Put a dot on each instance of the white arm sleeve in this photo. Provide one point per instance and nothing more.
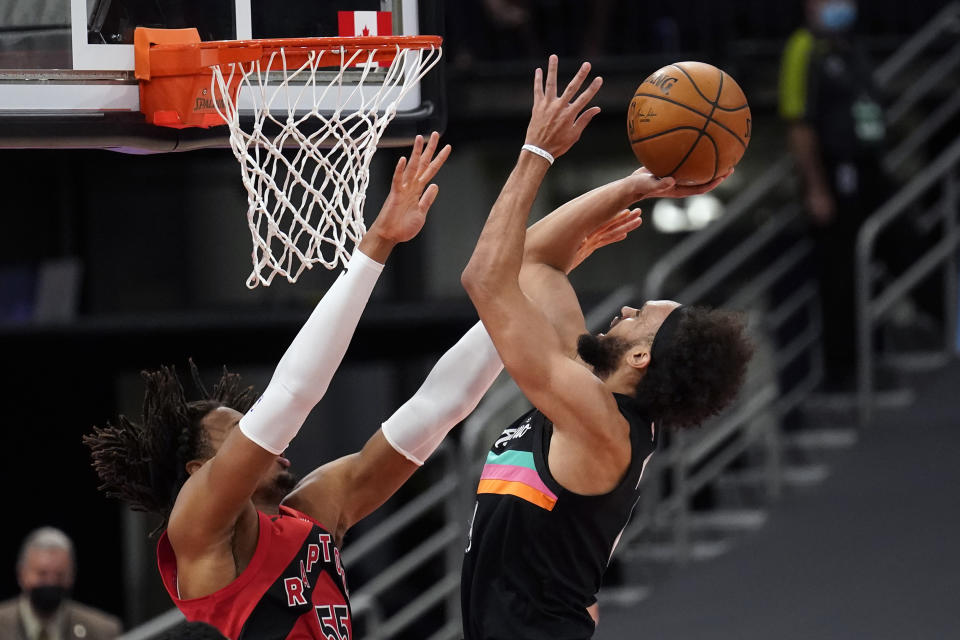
(304, 372)
(451, 391)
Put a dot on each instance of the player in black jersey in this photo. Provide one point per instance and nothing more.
(560, 483)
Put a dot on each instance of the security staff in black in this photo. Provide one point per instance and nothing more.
(537, 552)
(836, 133)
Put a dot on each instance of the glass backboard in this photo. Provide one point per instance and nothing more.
(66, 66)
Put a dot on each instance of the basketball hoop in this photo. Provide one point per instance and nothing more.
(303, 208)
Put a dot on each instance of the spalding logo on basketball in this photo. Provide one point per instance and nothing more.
(689, 120)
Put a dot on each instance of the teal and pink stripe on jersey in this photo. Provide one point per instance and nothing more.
(513, 473)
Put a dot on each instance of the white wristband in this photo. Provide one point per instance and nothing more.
(543, 153)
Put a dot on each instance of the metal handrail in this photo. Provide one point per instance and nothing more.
(680, 458)
(947, 18)
(366, 600)
(155, 626)
(872, 306)
(740, 206)
(945, 21)
(931, 78)
(403, 516)
(720, 271)
(923, 132)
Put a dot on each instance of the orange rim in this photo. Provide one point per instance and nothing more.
(174, 67)
(162, 52)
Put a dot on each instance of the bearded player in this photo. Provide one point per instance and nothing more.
(559, 485)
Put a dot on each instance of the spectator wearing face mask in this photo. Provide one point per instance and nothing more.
(44, 611)
(836, 134)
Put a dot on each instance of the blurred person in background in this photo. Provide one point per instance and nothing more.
(836, 134)
(44, 611)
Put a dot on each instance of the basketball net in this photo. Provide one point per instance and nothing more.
(304, 207)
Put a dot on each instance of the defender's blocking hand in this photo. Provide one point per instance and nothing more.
(405, 209)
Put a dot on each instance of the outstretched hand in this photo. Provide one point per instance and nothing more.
(557, 121)
(614, 230)
(405, 209)
(647, 185)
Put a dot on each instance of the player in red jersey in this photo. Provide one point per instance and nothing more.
(245, 547)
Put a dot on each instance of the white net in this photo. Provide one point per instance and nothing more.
(306, 205)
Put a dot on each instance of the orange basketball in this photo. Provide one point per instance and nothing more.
(689, 120)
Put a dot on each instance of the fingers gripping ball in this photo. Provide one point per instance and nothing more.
(689, 120)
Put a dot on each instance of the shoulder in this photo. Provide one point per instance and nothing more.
(576, 396)
(797, 53)
(8, 609)
(801, 40)
(99, 622)
(793, 75)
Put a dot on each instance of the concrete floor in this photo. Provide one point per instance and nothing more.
(873, 552)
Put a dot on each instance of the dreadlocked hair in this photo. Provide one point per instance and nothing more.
(144, 464)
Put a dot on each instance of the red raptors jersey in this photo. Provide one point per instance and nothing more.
(293, 588)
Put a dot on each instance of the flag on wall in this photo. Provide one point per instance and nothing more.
(365, 23)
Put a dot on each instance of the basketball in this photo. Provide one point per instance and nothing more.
(689, 120)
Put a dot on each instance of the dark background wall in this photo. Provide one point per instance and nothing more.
(163, 251)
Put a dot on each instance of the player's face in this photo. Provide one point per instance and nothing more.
(278, 482)
(631, 331)
(639, 326)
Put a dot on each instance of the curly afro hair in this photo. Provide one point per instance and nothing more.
(702, 371)
(144, 464)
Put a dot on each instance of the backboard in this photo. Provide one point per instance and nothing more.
(67, 79)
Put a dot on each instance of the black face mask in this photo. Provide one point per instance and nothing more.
(45, 599)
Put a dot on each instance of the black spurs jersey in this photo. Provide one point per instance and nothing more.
(537, 552)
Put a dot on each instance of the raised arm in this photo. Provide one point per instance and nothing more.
(219, 490)
(561, 240)
(530, 347)
(346, 490)
(537, 351)
(555, 240)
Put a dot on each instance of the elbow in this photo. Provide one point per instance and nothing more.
(480, 292)
(532, 252)
(475, 282)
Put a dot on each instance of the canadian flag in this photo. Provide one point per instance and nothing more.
(365, 23)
